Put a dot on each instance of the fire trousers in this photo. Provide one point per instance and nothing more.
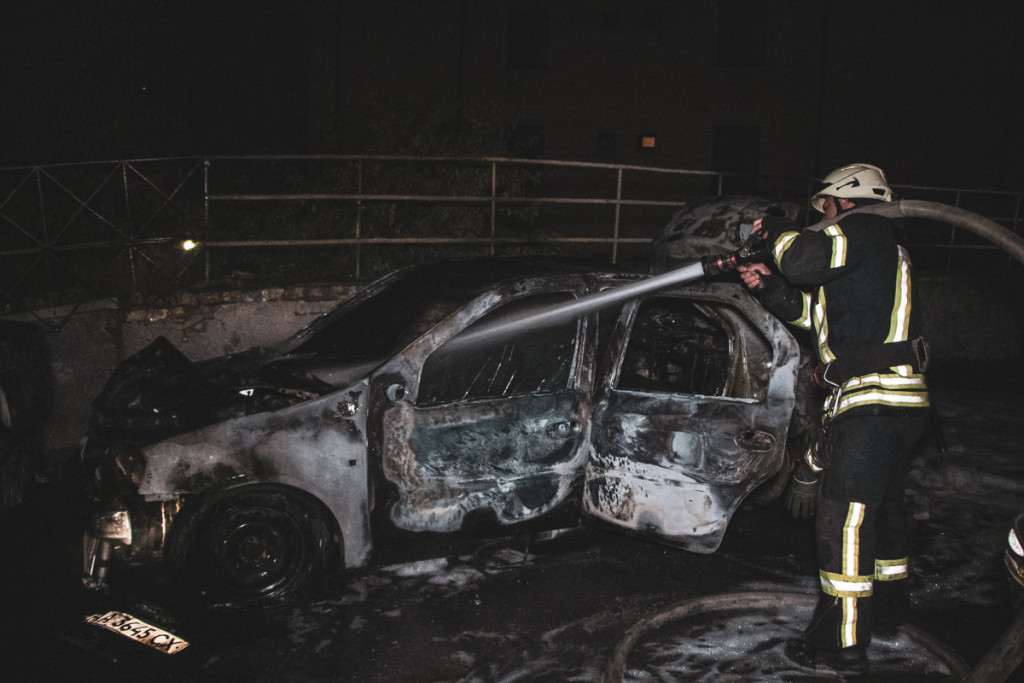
(861, 527)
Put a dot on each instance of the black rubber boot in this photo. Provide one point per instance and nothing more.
(890, 606)
(847, 661)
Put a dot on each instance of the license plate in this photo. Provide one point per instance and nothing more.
(138, 630)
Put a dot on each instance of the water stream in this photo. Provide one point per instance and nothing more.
(540, 318)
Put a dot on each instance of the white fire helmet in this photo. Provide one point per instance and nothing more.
(856, 181)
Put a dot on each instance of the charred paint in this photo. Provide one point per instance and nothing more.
(497, 425)
(516, 459)
(643, 499)
(501, 428)
(208, 479)
(673, 463)
(294, 447)
(711, 226)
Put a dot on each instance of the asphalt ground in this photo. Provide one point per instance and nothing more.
(584, 605)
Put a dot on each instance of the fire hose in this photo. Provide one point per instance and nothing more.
(1007, 653)
(750, 251)
(1002, 237)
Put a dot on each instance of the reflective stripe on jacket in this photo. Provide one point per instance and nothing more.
(850, 283)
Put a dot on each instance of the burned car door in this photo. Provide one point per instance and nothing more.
(693, 414)
(490, 428)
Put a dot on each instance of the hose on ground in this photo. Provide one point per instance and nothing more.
(743, 600)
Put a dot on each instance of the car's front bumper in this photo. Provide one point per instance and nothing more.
(133, 535)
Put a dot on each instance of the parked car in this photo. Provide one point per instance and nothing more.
(379, 424)
(26, 399)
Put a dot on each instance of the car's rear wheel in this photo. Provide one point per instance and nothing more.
(253, 544)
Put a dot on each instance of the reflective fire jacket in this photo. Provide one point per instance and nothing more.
(851, 284)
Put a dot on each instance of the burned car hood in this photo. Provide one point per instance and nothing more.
(158, 392)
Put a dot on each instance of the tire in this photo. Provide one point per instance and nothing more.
(255, 544)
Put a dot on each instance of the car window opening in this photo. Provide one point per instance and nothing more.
(525, 362)
(683, 347)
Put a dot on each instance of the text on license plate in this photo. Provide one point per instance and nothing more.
(138, 630)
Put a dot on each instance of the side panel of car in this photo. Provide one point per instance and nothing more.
(517, 460)
(693, 415)
(318, 446)
(493, 427)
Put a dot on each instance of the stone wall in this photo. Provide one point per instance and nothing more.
(969, 320)
(96, 338)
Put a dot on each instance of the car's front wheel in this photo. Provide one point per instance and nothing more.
(253, 544)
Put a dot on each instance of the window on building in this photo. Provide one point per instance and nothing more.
(606, 142)
(737, 149)
(526, 39)
(611, 20)
(741, 32)
(526, 141)
(652, 17)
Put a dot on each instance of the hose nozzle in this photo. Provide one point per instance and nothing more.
(752, 249)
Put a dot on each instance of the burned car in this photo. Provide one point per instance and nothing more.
(398, 417)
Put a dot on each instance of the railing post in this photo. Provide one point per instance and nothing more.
(1016, 228)
(128, 218)
(618, 213)
(359, 215)
(952, 238)
(45, 253)
(43, 229)
(494, 190)
(206, 220)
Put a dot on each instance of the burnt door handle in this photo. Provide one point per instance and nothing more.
(396, 392)
(562, 430)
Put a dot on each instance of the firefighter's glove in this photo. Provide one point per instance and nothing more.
(802, 492)
(773, 226)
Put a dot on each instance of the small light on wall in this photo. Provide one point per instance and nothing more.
(648, 141)
(189, 245)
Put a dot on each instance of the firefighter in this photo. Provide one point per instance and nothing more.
(851, 284)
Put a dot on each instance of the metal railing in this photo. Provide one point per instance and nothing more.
(77, 232)
(499, 192)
